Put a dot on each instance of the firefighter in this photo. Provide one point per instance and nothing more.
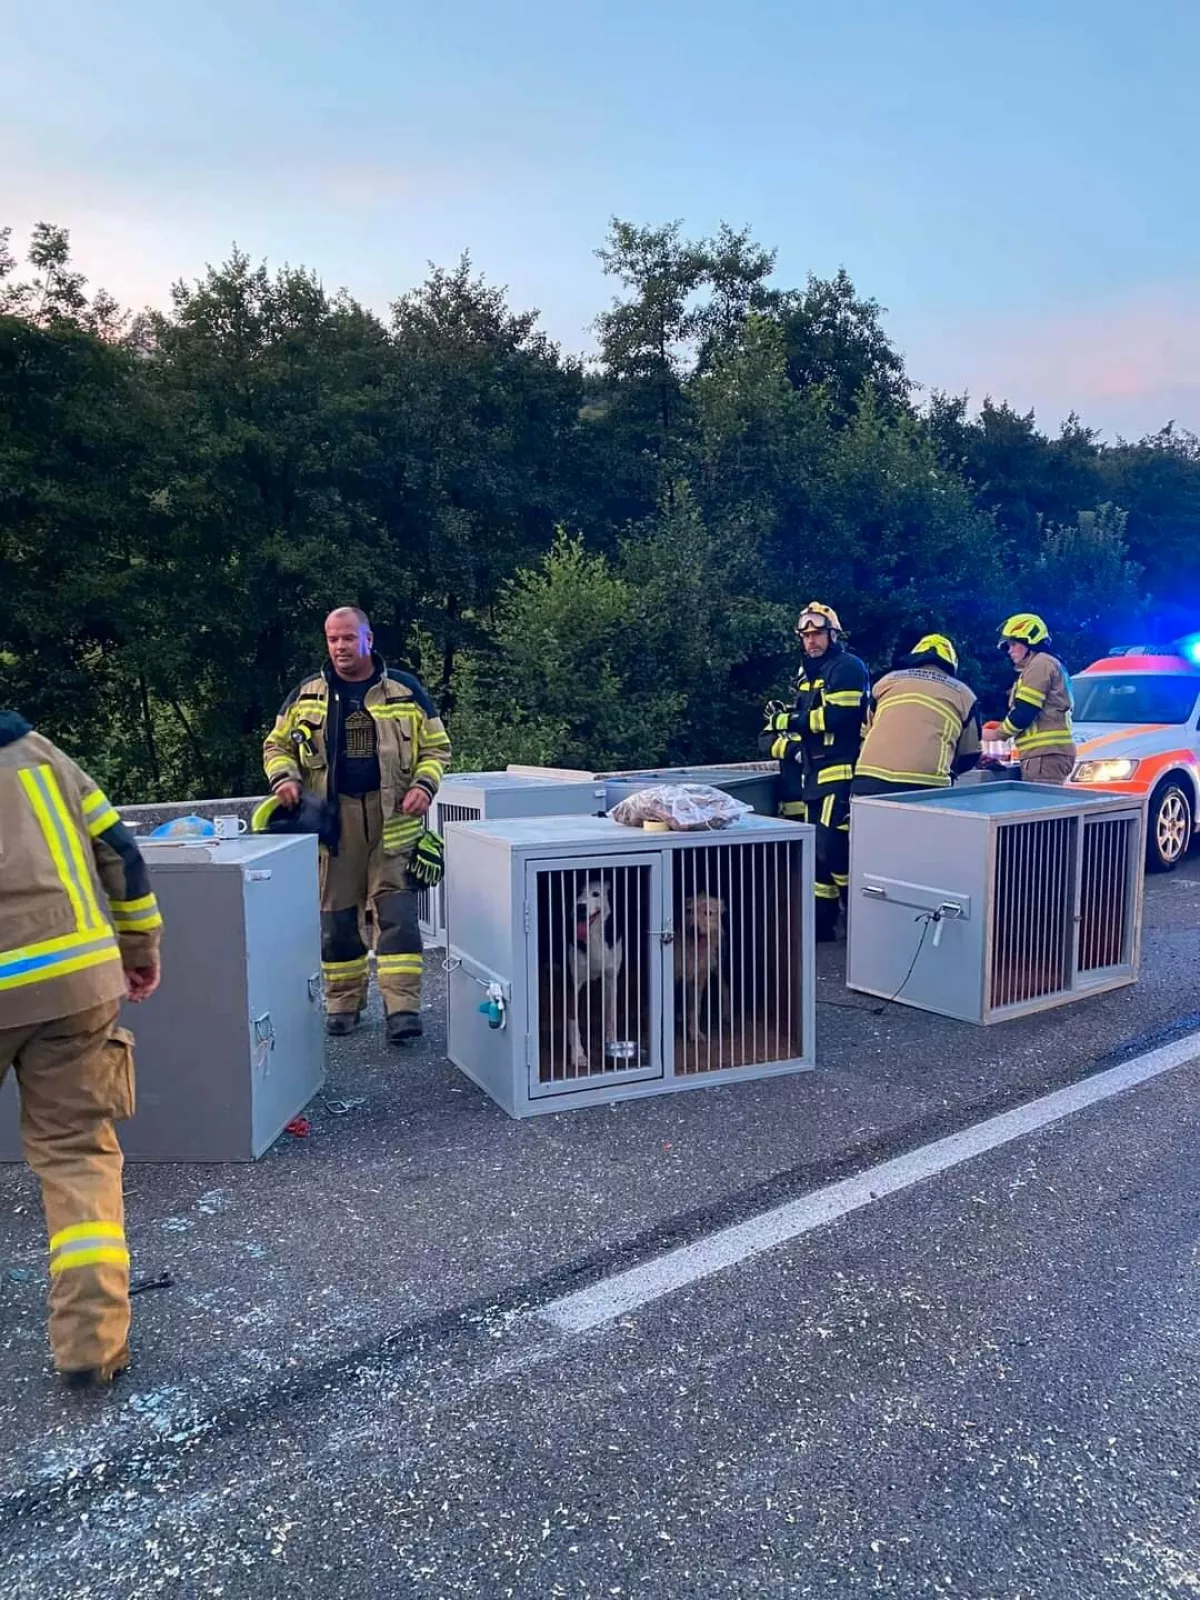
(816, 744)
(364, 744)
(79, 929)
(924, 725)
(1040, 702)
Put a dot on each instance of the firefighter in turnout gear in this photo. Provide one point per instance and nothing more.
(79, 929)
(1040, 702)
(816, 744)
(365, 744)
(923, 729)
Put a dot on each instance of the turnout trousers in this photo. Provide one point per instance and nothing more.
(357, 877)
(1050, 766)
(75, 1079)
(828, 809)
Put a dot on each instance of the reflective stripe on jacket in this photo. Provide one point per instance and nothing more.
(412, 744)
(1039, 707)
(75, 899)
(924, 727)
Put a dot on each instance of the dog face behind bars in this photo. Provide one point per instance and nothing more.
(593, 952)
(698, 958)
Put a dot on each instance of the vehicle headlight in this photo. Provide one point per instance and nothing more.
(1113, 771)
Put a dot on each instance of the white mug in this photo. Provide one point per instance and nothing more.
(229, 827)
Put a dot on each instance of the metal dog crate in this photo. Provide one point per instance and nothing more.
(994, 901)
(487, 796)
(232, 1046)
(590, 962)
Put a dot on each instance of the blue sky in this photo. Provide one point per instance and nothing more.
(1014, 181)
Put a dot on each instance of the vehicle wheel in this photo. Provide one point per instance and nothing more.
(1170, 827)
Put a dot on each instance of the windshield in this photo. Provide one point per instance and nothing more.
(1140, 697)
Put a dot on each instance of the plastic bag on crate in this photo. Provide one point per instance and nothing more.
(682, 807)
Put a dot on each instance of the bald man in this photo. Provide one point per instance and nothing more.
(366, 741)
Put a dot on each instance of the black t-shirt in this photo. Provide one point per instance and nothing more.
(357, 754)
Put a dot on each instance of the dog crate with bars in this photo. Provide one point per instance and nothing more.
(994, 901)
(624, 963)
(487, 796)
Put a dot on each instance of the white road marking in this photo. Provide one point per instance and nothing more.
(626, 1291)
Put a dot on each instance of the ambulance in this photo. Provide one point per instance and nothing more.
(1137, 731)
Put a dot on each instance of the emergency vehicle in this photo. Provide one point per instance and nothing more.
(1137, 730)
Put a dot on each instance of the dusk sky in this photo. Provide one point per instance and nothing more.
(1016, 182)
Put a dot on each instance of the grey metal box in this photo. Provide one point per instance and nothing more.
(533, 904)
(232, 1046)
(490, 796)
(996, 900)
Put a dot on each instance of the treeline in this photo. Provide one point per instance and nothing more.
(590, 562)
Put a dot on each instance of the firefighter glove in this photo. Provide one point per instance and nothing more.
(428, 860)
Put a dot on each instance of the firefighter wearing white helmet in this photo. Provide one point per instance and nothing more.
(1040, 702)
(923, 728)
(816, 744)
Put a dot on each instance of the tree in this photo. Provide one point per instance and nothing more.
(836, 340)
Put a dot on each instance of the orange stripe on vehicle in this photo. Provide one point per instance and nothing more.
(1123, 733)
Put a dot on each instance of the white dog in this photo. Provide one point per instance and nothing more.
(594, 952)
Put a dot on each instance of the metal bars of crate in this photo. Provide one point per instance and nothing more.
(594, 928)
(1111, 849)
(733, 936)
(1032, 910)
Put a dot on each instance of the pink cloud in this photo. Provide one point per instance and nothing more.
(1126, 365)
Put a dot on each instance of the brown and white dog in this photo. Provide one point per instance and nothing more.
(698, 957)
(594, 952)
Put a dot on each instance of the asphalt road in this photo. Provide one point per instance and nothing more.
(983, 1386)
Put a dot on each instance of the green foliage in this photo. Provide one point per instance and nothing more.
(184, 495)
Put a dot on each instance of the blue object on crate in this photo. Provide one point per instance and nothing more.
(184, 828)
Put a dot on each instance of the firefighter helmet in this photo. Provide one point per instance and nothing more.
(1025, 628)
(936, 644)
(816, 618)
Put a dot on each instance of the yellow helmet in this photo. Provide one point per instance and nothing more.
(1024, 628)
(816, 618)
(936, 644)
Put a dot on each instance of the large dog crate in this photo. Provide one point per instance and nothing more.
(233, 1044)
(995, 901)
(591, 962)
(488, 796)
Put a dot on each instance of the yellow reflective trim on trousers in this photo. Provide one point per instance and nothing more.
(835, 774)
(408, 963)
(827, 810)
(934, 780)
(87, 1230)
(827, 891)
(345, 969)
(102, 1256)
(842, 879)
(845, 697)
(793, 808)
